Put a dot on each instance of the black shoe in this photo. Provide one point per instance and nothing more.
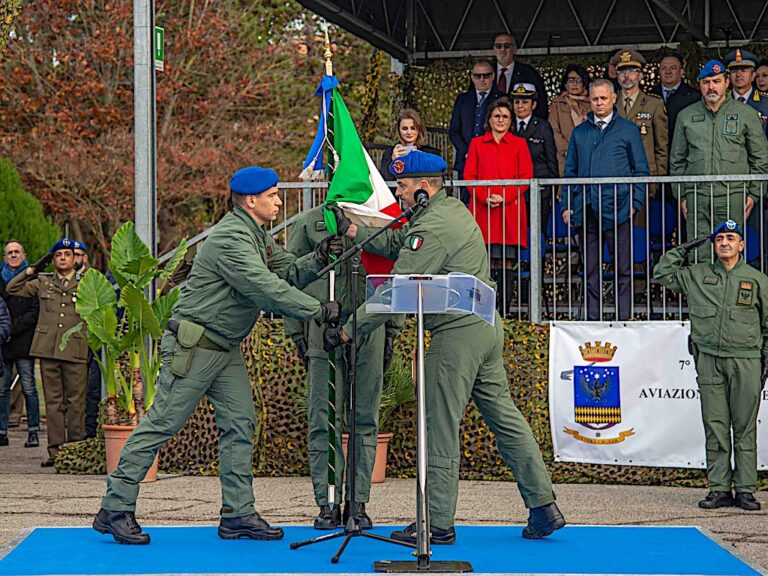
(438, 535)
(47, 463)
(542, 521)
(252, 526)
(328, 519)
(716, 500)
(363, 520)
(746, 501)
(122, 526)
(32, 441)
(3, 440)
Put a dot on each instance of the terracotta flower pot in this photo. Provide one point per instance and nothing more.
(379, 473)
(114, 440)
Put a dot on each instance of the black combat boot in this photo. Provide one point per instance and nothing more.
(252, 526)
(542, 521)
(33, 441)
(328, 519)
(122, 526)
(746, 501)
(437, 535)
(716, 499)
(363, 520)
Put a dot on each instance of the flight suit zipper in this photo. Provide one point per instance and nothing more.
(726, 310)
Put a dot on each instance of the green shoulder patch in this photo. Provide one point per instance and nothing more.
(415, 242)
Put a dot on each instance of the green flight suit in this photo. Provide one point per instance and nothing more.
(239, 272)
(308, 231)
(464, 359)
(729, 327)
(730, 141)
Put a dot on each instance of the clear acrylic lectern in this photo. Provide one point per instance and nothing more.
(454, 293)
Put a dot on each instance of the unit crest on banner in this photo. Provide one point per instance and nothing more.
(597, 397)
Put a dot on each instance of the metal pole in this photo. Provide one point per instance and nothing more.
(422, 496)
(535, 252)
(145, 177)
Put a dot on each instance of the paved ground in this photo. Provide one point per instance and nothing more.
(31, 496)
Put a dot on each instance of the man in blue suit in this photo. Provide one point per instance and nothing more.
(607, 145)
(468, 116)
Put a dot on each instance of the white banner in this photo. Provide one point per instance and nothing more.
(627, 394)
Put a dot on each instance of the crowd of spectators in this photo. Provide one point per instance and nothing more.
(36, 310)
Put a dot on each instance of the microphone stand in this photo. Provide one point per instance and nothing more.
(352, 527)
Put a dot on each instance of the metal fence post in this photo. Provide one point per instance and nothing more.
(535, 251)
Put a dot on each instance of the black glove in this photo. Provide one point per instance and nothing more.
(331, 313)
(689, 247)
(342, 222)
(763, 370)
(42, 264)
(389, 345)
(332, 338)
(301, 350)
(329, 245)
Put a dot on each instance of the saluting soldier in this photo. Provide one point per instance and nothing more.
(646, 111)
(728, 304)
(239, 271)
(64, 372)
(374, 353)
(742, 65)
(465, 353)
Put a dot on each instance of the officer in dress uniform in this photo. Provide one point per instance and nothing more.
(239, 271)
(465, 354)
(64, 372)
(741, 65)
(646, 111)
(728, 304)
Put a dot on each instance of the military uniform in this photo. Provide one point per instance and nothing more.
(64, 372)
(308, 231)
(239, 271)
(464, 359)
(729, 330)
(745, 60)
(730, 141)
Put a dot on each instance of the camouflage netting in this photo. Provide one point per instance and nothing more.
(280, 447)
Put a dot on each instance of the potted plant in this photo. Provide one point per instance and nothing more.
(124, 332)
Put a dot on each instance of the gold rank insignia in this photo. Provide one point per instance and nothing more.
(625, 57)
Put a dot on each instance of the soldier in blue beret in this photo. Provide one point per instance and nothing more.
(728, 303)
(81, 257)
(465, 355)
(742, 65)
(239, 272)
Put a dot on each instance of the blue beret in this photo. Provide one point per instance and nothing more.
(253, 180)
(64, 244)
(711, 68)
(80, 246)
(741, 59)
(418, 163)
(726, 226)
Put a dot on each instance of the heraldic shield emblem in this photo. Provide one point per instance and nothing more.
(597, 395)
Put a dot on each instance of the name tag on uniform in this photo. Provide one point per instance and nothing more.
(713, 280)
(745, 293)
(731, 126)
(698, 118)
(320, 226)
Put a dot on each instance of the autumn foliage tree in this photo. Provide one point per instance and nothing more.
(236, 90)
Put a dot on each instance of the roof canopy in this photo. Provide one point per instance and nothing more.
(422, 30)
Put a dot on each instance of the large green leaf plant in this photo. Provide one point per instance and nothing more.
(125, 332)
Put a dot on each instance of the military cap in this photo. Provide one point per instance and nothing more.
(741, 59)
(726, 226)
(80, 246)
(253, 180)
(523, 91)
(711, 68)
(627, 59)
(418, 163)
(64, 244)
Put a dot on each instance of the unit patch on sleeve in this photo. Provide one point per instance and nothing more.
(415, 242)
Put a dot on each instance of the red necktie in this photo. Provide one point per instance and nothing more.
(503, 81)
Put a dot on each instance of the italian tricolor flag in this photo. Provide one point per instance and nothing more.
(357, 187)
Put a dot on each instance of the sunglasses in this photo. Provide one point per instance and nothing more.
(482, 75)
(503, 45)
(628, 70)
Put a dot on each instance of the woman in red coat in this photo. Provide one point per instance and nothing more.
(500, 210)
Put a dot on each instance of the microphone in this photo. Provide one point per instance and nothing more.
(421, 197)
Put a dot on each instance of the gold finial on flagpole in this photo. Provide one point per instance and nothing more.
(328, 55)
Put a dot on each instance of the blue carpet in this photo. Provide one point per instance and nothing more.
(195, 550)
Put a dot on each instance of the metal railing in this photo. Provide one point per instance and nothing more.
(547, 274)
